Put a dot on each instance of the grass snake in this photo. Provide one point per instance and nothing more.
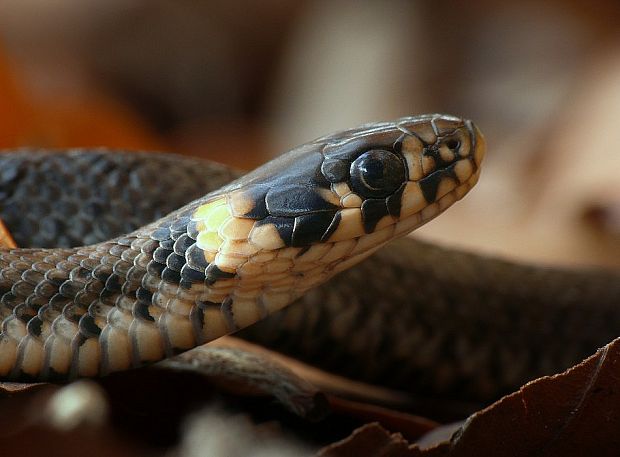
(412, 316)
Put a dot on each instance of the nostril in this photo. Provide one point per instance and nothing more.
(453, 144)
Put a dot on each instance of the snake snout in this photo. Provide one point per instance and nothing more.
(443, 157)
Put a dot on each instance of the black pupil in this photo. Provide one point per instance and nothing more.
(377, 173)
(373, 173)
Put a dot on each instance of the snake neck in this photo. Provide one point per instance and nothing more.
(187, 279)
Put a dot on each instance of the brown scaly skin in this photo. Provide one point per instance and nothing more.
(457, 325)
(49, 296)
(229, 258)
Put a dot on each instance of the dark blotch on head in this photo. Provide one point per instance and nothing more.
(335, 170)
(310, 228)
(332, 227)
(284, 226)
(257, 195)
(430, 184)
(394, 201)
(295, 200)
(372, 211)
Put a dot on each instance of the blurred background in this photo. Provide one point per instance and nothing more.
(240, 82)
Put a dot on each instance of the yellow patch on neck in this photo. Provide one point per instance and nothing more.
(203, 212)
(209, 241)
(211, 216)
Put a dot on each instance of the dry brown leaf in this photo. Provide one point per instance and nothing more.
(326, 382)
(411, 427)
(371, 440)
(6, 240)
(573, 413)
(251, 371)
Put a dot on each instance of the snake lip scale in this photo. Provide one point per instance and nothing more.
(230, 258)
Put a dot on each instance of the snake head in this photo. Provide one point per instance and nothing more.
(328, 204)
(404, 172)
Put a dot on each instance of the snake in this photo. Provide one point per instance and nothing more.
(434, 321)
(231, 257)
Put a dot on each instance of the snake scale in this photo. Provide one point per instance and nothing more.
(432, 321)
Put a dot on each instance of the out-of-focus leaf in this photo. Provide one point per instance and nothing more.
(324, 381)
(411, 427)
(6, 240)
(573, 413)
(249, 370)
(371, 440)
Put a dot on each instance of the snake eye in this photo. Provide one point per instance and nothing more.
(377, 173)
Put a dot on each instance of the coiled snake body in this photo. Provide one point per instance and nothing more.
(432, 321)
